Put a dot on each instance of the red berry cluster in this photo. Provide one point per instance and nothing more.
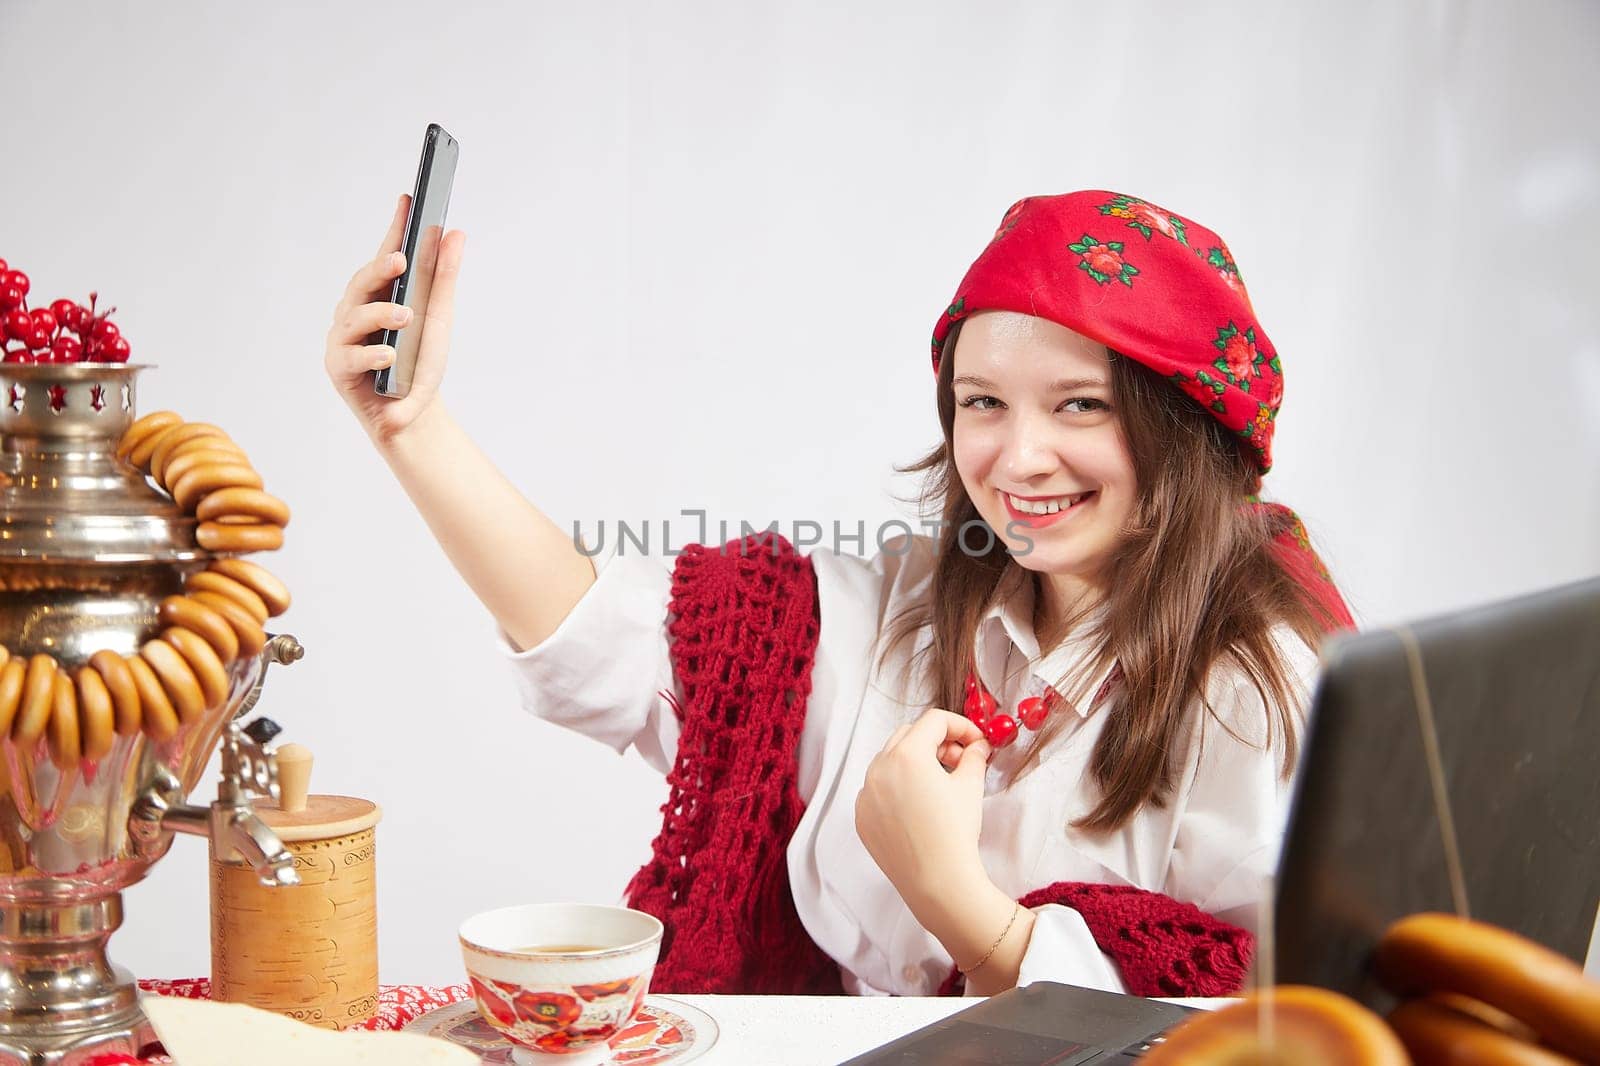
(65, 332)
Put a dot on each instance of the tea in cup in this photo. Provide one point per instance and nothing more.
(559, 980)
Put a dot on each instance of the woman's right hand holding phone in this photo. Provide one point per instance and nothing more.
(350, 357)
(523, 567)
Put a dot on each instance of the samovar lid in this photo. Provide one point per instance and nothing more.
(64, 495)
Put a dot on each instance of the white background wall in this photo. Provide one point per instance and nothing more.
(707, 243)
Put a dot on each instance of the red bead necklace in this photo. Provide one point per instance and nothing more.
(1001, 729)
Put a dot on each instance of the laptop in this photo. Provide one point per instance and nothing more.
(1514, 689)
(1450, 764)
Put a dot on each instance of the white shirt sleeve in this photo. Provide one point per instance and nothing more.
(1062, 949)
(1225, 854)
(604, 669)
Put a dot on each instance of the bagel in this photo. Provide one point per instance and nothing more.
(113, 670)
(177, 679)
(186, 613)
(1544, 990)
(139, 455)
(5, 654)
(97, 721)
(218, 537)
(153, 422)
(160, 719)
(258, 579)
(252, 638)
(11, 677)
(203, 660)
(1310, 1027)
(1435, 1033)
(206, 581)
(66, 747)
(205, 451)
(1486, 1014)
(161, 458)
(38, 698)
(240, 501)
(209, 477)
(174, 437)
(204, 442)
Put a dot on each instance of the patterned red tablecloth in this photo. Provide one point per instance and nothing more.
(397, 1005)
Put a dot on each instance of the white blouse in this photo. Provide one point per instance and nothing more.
(1214, 844)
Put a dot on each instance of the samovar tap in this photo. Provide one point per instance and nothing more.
(230, 822)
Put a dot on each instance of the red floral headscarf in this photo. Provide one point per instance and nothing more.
(1162, 290)
(1159, 288)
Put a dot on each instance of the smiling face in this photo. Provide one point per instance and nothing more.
(1034, 431)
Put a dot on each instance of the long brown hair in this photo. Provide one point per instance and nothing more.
(1196, 583)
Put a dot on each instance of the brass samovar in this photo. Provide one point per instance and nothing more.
(88, 549)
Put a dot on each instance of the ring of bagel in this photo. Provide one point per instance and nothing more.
(1545, 990)
(252, 638)
(143, 428)
(204, 442)
(177, 679)
(239, 500)
(204, 453)
(258, 579)
(1433, 1032)
(143, 453)
(38, 698)
(208, 581)
(113, 670)
(97, 721)
(1309, 1027)
(209, 477)
(160, 717)
(223, 537)
(11, 679)
(161, 458)
(203, 660)
(66, 746)
(192, 615)
(174, 437)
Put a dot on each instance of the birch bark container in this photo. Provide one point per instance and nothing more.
(308, 951)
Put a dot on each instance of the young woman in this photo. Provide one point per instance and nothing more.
(1054, 741)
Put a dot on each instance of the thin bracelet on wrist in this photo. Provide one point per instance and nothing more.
(1015, 909)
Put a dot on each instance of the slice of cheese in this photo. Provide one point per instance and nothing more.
(198, 1032)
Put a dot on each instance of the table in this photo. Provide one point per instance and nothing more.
(818, 1030)
(754, 1030)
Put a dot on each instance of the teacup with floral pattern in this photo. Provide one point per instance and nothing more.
(559, 980)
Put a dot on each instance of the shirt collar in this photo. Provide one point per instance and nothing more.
(1008, 624)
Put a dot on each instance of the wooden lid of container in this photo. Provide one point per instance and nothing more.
(298, 816)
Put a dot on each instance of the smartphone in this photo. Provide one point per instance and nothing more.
(436, 171)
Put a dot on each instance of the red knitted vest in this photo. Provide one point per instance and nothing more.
(743, 636)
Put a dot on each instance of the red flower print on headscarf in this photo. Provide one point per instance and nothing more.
(1240, 355)
(1241, 360)
(1155, 219)
(1273, 397)
(1259, 431)
(1147, 218)
(1103, 261)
